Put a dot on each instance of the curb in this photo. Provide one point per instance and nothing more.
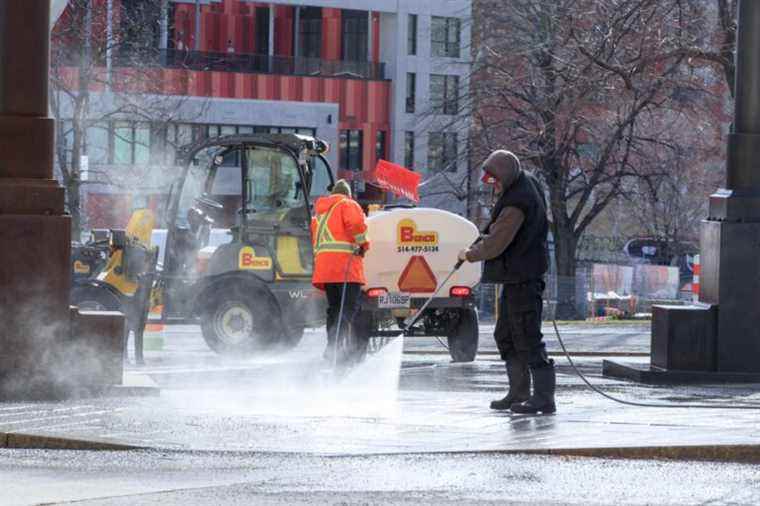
(741, 453)
(748, 454)
(15, 440)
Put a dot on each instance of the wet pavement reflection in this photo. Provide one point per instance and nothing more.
(394, 404)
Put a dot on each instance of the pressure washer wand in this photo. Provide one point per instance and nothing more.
(409, 322)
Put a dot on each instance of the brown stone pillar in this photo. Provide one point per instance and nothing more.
(34, 233)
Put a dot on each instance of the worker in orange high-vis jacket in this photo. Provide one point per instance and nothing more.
(338, 232)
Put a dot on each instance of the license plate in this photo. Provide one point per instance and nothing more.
(394, 301)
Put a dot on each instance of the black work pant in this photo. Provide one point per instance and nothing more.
(518, 327)
(350, 308)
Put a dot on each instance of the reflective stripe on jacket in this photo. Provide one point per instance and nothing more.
(337, 230)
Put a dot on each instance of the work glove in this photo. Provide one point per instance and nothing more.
(360, 251)
(462, 257)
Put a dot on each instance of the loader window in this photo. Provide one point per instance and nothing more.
(274, 194)
(192, 188)
(273, 179)
(321, 177)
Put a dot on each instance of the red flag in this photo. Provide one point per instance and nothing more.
(396, 179)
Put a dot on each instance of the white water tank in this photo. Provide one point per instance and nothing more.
(398, 235)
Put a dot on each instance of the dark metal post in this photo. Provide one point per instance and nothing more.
(747, 107)
(731, 234)
(719, 340)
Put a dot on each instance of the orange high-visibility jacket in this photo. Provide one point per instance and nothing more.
(337, 230)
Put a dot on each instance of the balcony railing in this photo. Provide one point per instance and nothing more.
(254, 64)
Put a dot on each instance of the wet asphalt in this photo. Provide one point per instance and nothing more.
(166, 478)
(264, 431)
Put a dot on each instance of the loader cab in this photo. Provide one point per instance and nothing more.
(242, 208)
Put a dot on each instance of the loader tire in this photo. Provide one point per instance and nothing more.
(463, 340)
(237, 321)
(292, 336)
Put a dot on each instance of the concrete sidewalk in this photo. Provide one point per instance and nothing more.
(276, 406)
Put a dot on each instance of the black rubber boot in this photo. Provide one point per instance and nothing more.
(519, 385)
(542, 400)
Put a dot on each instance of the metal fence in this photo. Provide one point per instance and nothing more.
(589, 295)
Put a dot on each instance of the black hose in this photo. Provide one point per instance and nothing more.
(642, 404)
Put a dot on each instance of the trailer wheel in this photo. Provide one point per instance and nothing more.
(237, 321)
(463, 340)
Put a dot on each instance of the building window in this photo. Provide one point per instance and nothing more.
(355, 35)
(411, 40)
(351, 149)
(311, 32)
(444, 94)
(409, 150)
(411, 86)
(131, 144)
(261, 32)
(445, 37)
(380, 145)
(442, 152)
(97, 143)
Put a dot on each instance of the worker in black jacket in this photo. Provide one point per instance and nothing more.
(514, 250)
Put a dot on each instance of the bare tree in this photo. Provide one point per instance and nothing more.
(575, 88)
(105, 67)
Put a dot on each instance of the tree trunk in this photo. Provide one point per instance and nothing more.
(75, 208)
(565, 246)
(74, 179)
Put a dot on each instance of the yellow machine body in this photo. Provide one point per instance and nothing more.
(138, 234)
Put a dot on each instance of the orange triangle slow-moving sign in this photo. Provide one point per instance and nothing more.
(417, 277)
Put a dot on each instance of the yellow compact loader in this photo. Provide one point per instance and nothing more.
(237, 257)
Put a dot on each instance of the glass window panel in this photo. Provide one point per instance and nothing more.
(355, 150)
(452, 95)
(184, 135)
(435, 151)
(380, 145)
(437, 93)
(227, 180)
(355, 35)
(227, 130)
(320, 179)
(438, 36)
(453, 34)
(273, 176)
(412, 35)
(450, 152)
(409, 150)
(97, 144)
(122, 143)
(445, 37)
(142, 144)
(311, 32)
(411, 86)
(244, 130)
